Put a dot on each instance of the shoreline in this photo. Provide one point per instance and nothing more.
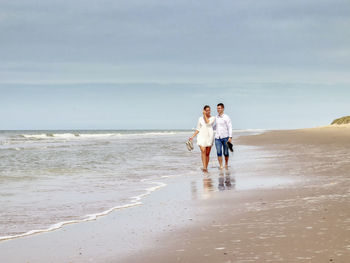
(129, 202)
(125, 231)
(134, 201)
(192, 220)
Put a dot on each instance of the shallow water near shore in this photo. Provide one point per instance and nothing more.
(53, 178)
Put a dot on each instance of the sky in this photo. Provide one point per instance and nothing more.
(154, 64)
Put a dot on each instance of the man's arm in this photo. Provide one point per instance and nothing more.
(229, 127)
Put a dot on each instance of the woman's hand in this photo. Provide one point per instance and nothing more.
(194, 135)
(205, 117)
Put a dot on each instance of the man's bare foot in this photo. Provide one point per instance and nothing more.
(204, 170)
(226, 167)
(221, 168)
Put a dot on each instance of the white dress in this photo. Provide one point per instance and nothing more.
(205, 136)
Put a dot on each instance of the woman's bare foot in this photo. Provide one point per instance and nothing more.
(205, 170)
(221, 168)
(226, 167)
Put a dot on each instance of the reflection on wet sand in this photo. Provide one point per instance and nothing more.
(225, 182)
(208, 185)
(194, 192)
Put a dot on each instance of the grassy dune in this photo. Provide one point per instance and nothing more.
(343, 120)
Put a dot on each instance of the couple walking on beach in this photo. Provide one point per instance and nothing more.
(207, 124)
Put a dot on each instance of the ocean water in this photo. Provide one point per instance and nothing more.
(52, 178)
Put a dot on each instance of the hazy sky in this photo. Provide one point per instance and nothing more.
(154, 64)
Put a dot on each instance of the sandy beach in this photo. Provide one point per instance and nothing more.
(305, 222)
(302, 216)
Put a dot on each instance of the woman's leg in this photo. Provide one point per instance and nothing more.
(207, 153)
(204, 157)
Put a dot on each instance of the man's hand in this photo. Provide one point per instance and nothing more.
(190, 139)
(204, 112)
(230, 140)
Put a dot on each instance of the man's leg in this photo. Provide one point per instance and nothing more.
(226, 161)
(226, 154)
(218, 146)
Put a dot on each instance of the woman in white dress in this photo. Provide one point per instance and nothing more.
(205, 137)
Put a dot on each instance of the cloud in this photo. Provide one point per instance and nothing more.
(165, 40)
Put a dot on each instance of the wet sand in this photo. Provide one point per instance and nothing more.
(328, 136)
(285, 199)
(304, 222)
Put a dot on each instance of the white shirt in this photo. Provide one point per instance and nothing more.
(223, 126)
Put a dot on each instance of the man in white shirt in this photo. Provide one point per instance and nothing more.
(223, 134)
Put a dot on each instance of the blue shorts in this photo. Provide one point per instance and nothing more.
(221, 144)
